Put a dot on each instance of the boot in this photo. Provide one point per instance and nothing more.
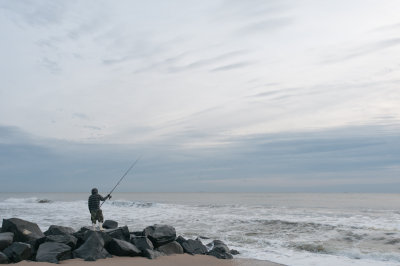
(101, 226)
(94, 227)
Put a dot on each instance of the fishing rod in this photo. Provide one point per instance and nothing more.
(127, 171)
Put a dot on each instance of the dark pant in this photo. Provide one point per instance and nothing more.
(96, 215)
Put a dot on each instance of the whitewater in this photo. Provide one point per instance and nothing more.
(287, 228)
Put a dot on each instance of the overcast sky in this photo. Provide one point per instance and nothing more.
(269, 95)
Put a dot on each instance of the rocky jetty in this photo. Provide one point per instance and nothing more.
(23, 240)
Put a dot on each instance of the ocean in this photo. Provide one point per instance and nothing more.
(287, 228)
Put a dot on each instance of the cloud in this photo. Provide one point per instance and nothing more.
(265, 26)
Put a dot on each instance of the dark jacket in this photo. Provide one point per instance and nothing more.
(94, 201)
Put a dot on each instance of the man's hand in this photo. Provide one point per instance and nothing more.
(109, 196)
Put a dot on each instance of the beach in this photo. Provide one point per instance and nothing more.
(173, 260)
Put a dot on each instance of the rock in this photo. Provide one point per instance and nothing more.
(220, 250)
(53, 252)
(68, 240)
(122, 248)
(80, 235)
(18, 251)
(152, 254)
(160, 234)
(142, 242)
(93, 247)
(121, 233)
(171, 248)
(137, 233)
(3, 258)
(24, 231)
(59, 230)
(234, 252)
(192, 246)
(6, 239)
(110, 224)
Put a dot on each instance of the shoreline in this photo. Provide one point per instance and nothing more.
(172, 260)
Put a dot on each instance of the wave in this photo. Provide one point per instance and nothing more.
(126, 203)
(27, 200)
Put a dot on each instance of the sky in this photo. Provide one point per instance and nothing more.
(215, 96)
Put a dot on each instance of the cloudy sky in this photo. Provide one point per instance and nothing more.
(261, 95)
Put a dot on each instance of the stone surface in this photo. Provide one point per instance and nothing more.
(122, 248)
(18, 251)
(6, 240)
(110, 224)
(3, 258)
(93, 247)
(234, 252)
(171, 248)
(141, 242)
(69, 240)
(24, 231)
(160, 234)
(191, 246)
(59, 230)
(220, 250)
(121, 233)
(53, 252)
(152, 254)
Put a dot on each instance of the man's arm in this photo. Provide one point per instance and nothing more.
(104, 198)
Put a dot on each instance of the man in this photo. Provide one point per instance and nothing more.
(94, 208)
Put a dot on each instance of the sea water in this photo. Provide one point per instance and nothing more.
(293, 229)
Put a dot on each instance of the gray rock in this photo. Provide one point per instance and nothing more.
(141, 242)
(160, 234)
(3, 258)
(121, 233)
(53, 252)
(171, 248)
(6, 239)
(110, 224)
(234, 252)
(220, 250)
(59, 230)
(24, 231)
(191, 246)
(18, 251)
(68, 240)
(122, 248)
(152, 254)
(93, 247)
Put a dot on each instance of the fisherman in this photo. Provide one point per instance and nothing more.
(94, 208)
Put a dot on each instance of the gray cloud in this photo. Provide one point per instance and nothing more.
(265, 26)
(232, 66)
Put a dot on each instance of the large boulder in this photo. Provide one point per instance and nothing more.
(59, 230)
(18, 251)
(68, 240)
(3, 258)
(122, 248)
(6, 239)
(110, 224)
(192, 246)
(24, 231)
(93, 247)
(121, 233)
(160, 234)
(141, 242)
(171, 248)
(220, 250)
(53, 252)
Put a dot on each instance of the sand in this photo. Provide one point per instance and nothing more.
(173, 260)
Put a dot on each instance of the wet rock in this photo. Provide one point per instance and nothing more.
(18, 251)
(152, 254)
(24, 231)
(59, 230)
(3, 258)
(142, 242)
(6, 240)
(160, 234)
(121, 233)
(220, 250)
(80, 235)
(68, 240)
(171, 248)
(110, 224)
(53, 252)
(137, 233)
(234, 252)
(93, 247)
(191, 246)
(122, 248)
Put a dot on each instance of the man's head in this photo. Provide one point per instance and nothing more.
(94, 191)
